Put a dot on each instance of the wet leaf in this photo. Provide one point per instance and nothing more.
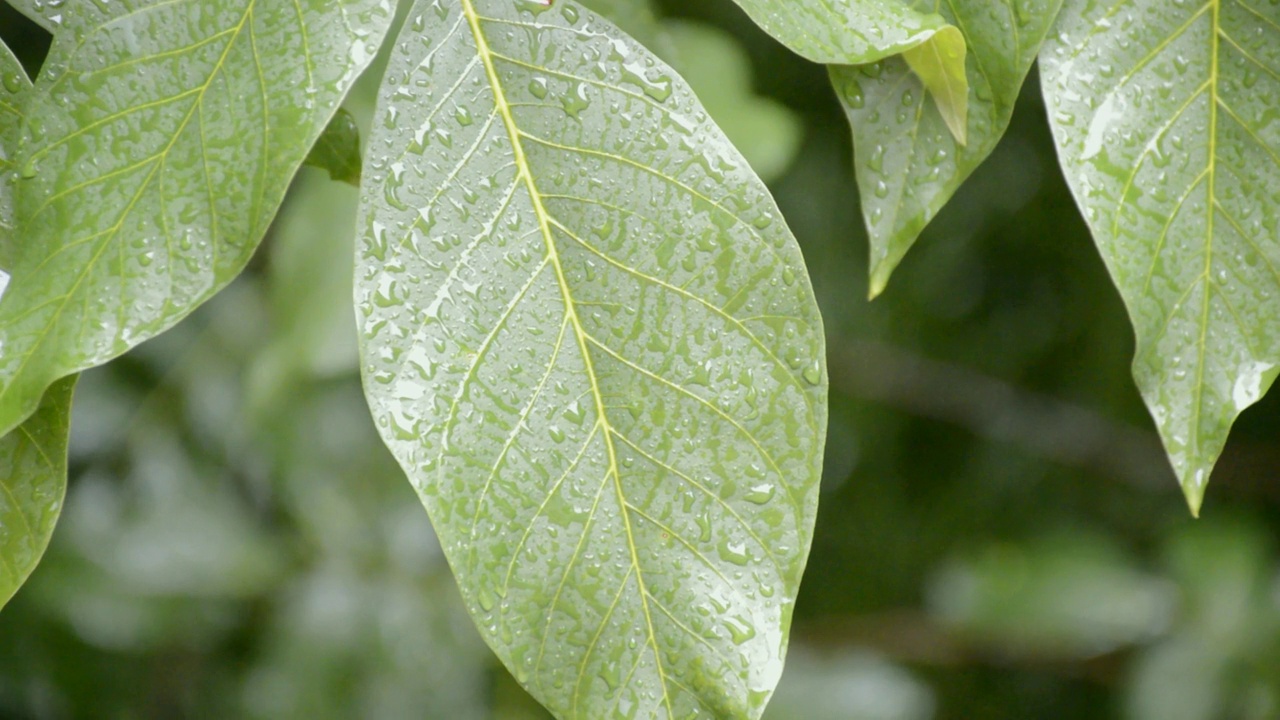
(590, 340)
(337, 152)
(158, 145)
(1166, 125)
(908, 161)
(854, 32)
(46, 15)
(33, 481)
(14, 87)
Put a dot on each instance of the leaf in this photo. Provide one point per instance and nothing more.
(45, 14)
(908, 160)
(14, 87)
(854, 32)
(33, 481)
(1166, 125)
(590, 341)
(157, 147)
(337, 152)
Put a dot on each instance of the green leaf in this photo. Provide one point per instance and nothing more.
(14, 87)
(33, 481)
(1166, 125)
(337, 152)
(909, 162)
(854, 32)
(157, 147)
(590, 340)
(45, 14)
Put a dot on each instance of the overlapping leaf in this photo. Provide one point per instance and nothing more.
(1169, 133)
(908, 163)
(14, 87)
(854, 32)
(590, 340)
(337, 152)
(33, 481)
(158, 143)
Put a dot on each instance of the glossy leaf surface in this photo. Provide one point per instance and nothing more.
(854, 32)
(33, 482)
(590, 340)
(14, 88)
(908, 162)
(337, 152)
(158, 145)
(1167, 127)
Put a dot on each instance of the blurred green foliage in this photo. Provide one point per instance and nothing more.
(1000, 535)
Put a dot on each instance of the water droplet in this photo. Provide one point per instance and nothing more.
(761, 494)
(12, 82)
(813, 373)
(538, 87)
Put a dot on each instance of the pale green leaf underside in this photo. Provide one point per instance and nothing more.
(908, 160)
(157, 147)
(1169, 133)
(33, 481)
(591, 342)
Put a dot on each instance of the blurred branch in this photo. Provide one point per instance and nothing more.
(1060, 431)
(992, 408)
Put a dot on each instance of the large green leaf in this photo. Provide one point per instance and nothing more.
(157, 147)
(14, 87)
(854, 32)
(590, 340)
(908, 163)
(33, 481)
(1167, 125)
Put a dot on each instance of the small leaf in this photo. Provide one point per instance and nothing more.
(855, 32)
(33, 481)
(338, 149)
(157, 147)
(910, 160)
(940, 66)
(1166, 125)
(590, 340)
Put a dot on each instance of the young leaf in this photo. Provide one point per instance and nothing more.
(157, 146)
(1165, 121)
(908, 163)
(854, 32)
(337, 152)
(590, 340)
(33, 481)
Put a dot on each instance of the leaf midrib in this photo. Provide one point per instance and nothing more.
(544, 223)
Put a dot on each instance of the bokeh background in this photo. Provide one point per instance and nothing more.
(999, 534)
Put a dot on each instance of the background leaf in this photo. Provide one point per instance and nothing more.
(590, 340)
(157, 149)
(33, 481)
(337, 152)
(1166, 124)
(908, 163)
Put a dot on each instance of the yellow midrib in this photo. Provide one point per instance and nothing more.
(526, 174)
(1212, 204)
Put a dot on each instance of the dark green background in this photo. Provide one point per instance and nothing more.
(999, 534)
